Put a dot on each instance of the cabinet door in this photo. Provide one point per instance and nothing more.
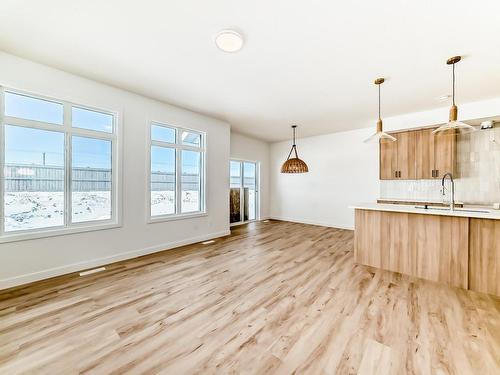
(406, 155)
(424, 154)
(444, 153)
(388, 159)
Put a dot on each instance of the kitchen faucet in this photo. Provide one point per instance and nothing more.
(452, 198)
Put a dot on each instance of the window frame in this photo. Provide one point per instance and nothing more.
(179, 147)
(68, 131)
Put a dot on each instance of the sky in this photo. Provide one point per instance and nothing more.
(42, 147)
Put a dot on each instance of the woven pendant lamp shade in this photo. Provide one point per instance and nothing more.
(294, 164)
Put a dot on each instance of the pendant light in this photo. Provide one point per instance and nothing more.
(379, 134)
(294, 165)
(452, 123)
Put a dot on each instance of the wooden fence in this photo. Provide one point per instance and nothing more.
(45, 178)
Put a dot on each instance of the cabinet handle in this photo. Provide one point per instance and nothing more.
(432, 174)
(437, 172)
(396, 174)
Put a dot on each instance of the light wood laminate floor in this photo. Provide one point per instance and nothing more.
(273, 297)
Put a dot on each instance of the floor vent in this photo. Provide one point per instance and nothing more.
(90, 272)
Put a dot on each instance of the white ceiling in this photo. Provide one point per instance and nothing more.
(305, 62)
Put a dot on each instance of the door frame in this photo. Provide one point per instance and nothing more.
(242, 194)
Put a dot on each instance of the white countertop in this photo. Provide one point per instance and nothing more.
(443, 211)
(431, 201)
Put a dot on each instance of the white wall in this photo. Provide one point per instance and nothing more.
(343, 169)
(251, 149)
(30, 260)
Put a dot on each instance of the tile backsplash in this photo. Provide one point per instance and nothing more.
(478, 167)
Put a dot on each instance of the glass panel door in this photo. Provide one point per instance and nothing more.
(249, 191)
(243, 191)
(235, 192)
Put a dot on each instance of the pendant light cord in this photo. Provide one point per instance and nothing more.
(294, 146)
(453, 90)
(379, 102)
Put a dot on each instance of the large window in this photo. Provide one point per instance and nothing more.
(177, 172)
(59, 167)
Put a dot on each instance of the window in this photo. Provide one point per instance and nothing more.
(59, 167)
(93, 120)
(90, 179)
(177, 172)
(31, 108)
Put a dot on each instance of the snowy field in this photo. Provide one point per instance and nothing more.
(163, 202)
(31, 210)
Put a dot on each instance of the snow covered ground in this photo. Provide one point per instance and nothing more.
(88, 206)
(163, 202)
(31, 210)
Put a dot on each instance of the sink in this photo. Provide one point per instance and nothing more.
(456, 209)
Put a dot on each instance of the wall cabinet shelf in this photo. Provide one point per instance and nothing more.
(417, 155)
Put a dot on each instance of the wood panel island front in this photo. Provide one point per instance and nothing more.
(459, 248)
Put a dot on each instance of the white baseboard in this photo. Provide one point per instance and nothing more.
(311, 222)
(76, 267)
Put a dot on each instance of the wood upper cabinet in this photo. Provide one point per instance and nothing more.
(435, 154)
(424, 154)
(388, 159)
(444, 154)
(417, 154)
(406, 155)
(397, 159)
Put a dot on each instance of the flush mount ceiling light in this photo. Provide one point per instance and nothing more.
(379, 134)
(294, 165)
(452, 123)
(229, 41)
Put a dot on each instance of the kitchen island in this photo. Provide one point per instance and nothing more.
(459, 248)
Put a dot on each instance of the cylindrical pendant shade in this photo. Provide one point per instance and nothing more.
(294, 165)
